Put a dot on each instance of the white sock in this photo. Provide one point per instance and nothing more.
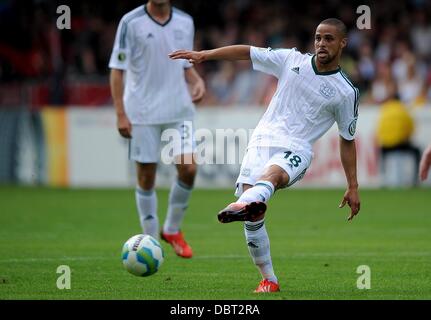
(261, 191)
(258, 246)
(178, 203)
(146, 201)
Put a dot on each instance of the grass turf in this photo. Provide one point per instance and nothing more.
(315, 250)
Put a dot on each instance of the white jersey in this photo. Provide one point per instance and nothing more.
(306, 103)
(155, 88)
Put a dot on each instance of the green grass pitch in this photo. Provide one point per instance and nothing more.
(315, 250)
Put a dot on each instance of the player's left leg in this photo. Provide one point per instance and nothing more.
(180, 192)
(255, 230)
(281, 170)
(144, 150)
(258, 244)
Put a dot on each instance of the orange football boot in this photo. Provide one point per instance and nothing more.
(267, 286)
(180, 245)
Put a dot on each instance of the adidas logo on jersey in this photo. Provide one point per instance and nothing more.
(296, 70)
(150, 35)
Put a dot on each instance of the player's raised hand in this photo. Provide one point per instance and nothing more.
(192, 56)
(124, 126)
(351, 197)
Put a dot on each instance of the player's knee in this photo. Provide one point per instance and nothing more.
(187, 173)
(283, 180)
(278, 178)
(188, 170)
(146, 179)
(146, 182)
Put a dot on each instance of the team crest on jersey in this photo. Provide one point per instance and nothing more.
(352, 127)
(327, 90)
(121, 56)
(246, 172)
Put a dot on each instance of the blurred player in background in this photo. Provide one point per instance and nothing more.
(395, 128)
(155, 96)
(312, 94)
(425, 163)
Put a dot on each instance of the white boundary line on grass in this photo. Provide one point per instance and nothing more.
(211, 257)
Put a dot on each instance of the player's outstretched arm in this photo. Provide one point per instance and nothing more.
(425, 164)
(236, 52)
(348, 160)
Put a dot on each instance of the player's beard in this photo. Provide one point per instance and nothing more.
(329, 58)
(160, 2)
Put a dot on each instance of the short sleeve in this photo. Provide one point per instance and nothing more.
(346, 115)
(268, 60)
(122, 50)
(190, 44)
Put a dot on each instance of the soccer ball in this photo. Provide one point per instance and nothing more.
(142, 255)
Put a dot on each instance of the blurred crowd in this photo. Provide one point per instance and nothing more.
(392, 59)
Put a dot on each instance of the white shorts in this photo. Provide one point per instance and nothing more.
(258, 159)
(174, 138)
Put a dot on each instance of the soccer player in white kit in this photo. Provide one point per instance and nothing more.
(151, 94)
(312, 93)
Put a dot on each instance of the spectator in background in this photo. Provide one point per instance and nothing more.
(402, 58)
(427, 86)
(421, 34)
(385, 44)
(220, 84)
(394, 132)
(399, 30)
(248, 88)
(411, 86)
(366, 66)
(348, 64)
(383, 87)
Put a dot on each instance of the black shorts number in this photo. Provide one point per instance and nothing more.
(295, 160)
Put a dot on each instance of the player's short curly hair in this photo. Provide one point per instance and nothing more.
(341, 27)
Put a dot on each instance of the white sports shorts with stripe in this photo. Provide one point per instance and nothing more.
(258, 159)
(150, 143)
